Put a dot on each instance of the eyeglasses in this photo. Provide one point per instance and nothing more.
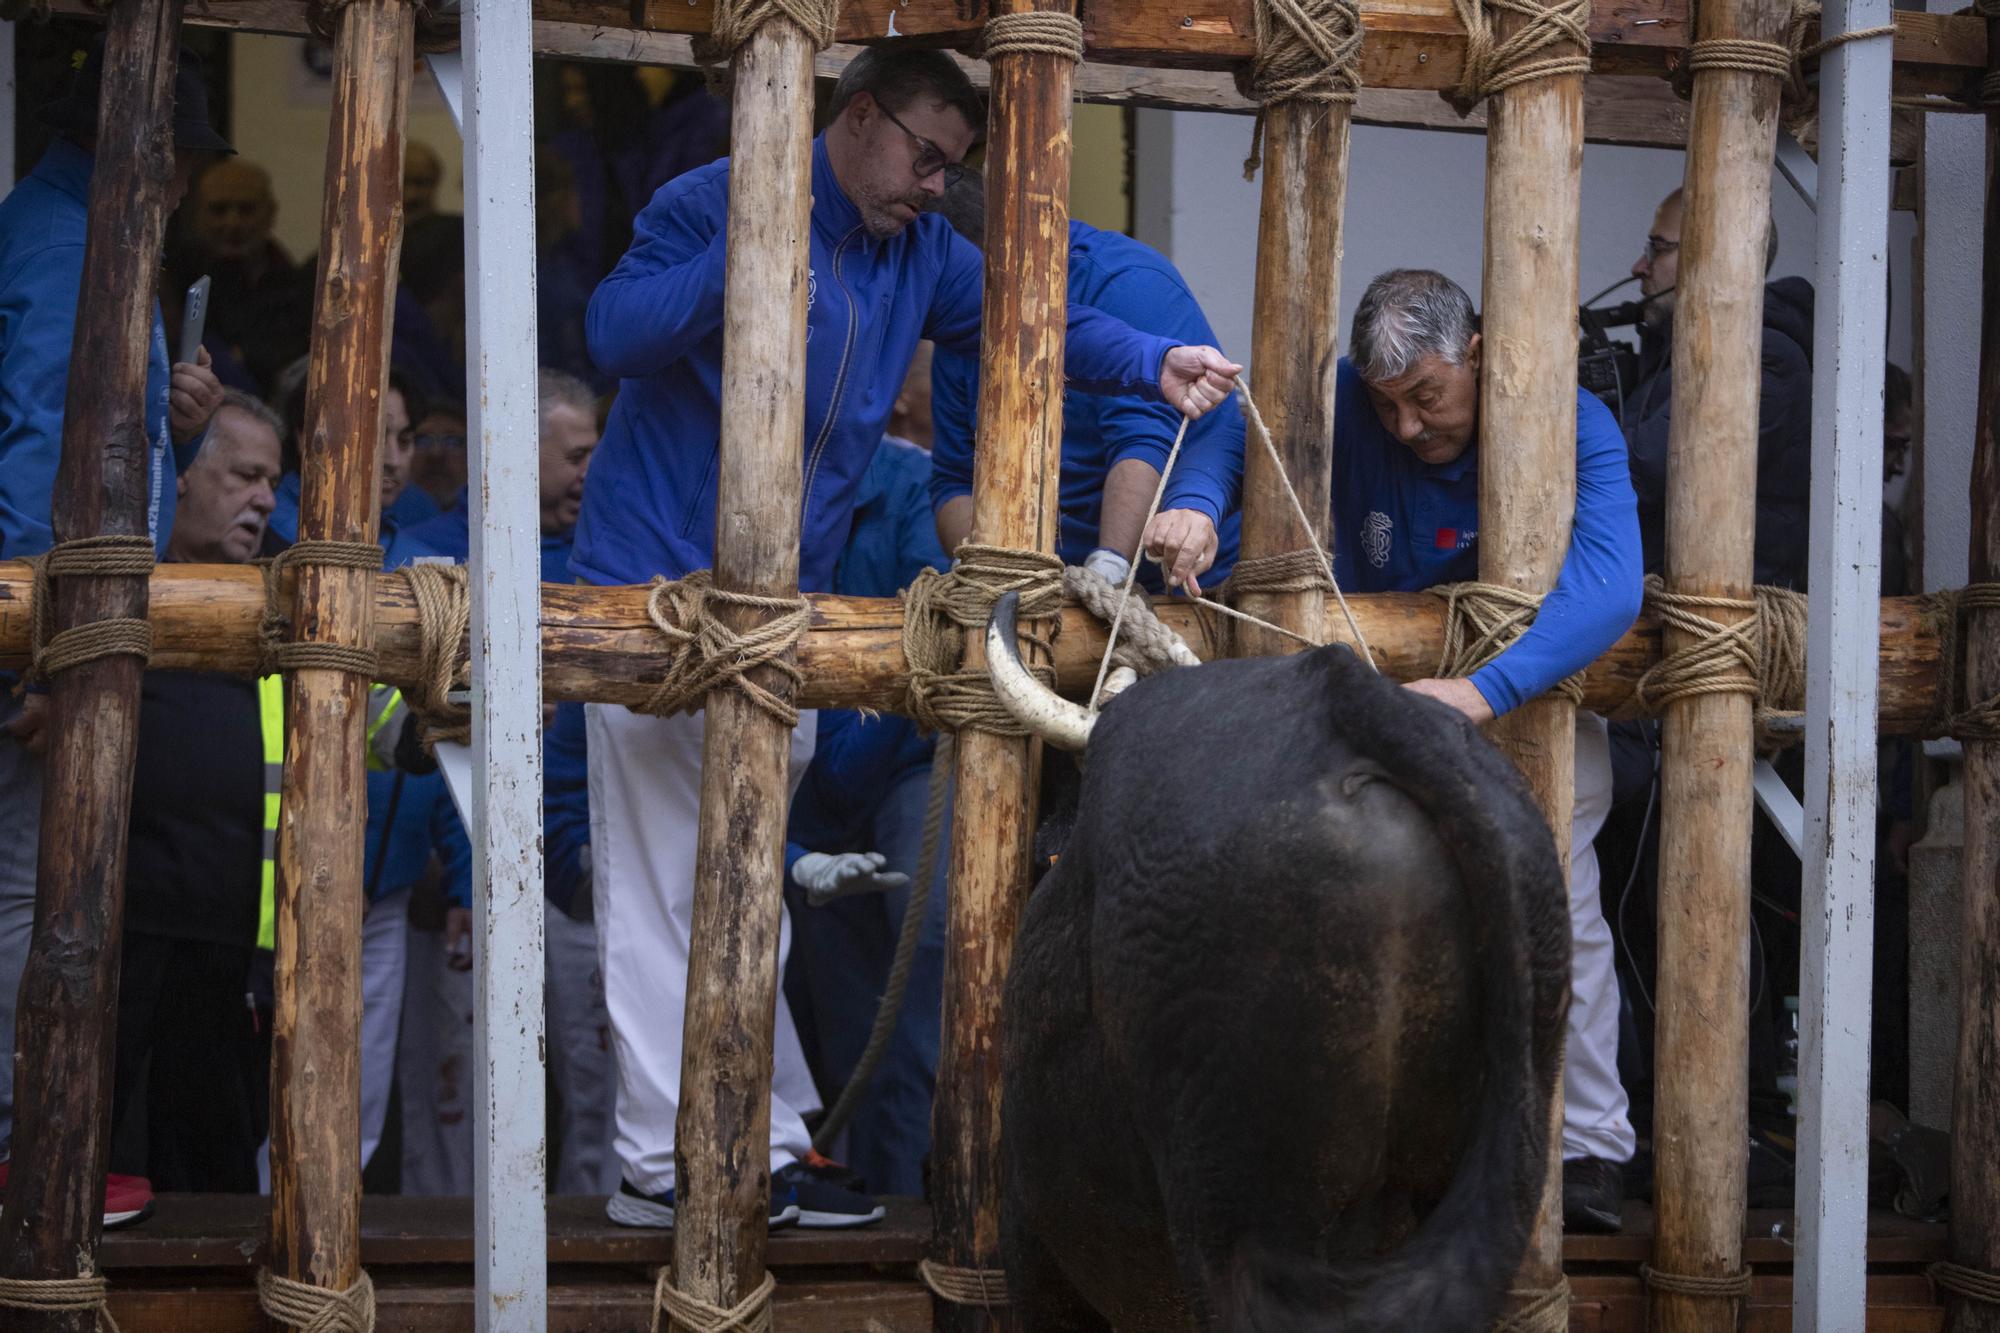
(930, 158)
(1659, 245)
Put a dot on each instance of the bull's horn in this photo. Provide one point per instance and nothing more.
(1034, 705)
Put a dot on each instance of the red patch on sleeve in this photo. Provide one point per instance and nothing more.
(1447, 539)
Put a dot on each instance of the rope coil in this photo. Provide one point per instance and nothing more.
(1972, 1284)
(1543, 1310)
(312, 1309)
(710, 655)
(982, 1287)
(1785, 60)
(59, 1295)
(1482, 621)
(1494, 64)
(938, 610)
(278, 653)
(1950, 715)
(736, 21)
(1734, 1287)
(752, 1314)
(1307, 51)
(51, 651)
(444, 624)
(1034, 32)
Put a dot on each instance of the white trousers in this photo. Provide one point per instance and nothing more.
(1597, 1115)
(645, 804)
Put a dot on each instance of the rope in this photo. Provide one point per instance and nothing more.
(59, 1295)
(710, 655)
(736, 20)
(1481, 621)
(1494, 64)
(51, 651)
(1149, 646)
(312, 1309)
(938, 609)
(751, 1314)
(444, 622)
(1949, 715)
(1543, 1310)
(984, 1287)
(275, 651)
(1784, 60)
(1721, 660)
(1735, 1287)
(1036, 32)
(1972, 1284)
(898, 984)
(1307, 51)
(1132, 568)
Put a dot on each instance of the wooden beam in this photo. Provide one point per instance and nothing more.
(69, 989)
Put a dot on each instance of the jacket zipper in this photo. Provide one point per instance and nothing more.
(839, 380)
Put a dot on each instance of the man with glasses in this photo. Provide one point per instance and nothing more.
(881, 278)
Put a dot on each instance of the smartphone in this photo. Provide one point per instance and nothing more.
(194, 316)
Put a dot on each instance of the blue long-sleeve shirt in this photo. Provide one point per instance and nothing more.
(42, 226)
(1400, 525)
(1136, 283)
(656, 324)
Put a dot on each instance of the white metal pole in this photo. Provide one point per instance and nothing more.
(1831, 1272)
(510, 1215)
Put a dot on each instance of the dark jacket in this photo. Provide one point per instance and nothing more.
(1784, 436)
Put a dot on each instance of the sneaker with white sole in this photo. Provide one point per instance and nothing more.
(824, 1204)
(128, 1200)
(632, 1207)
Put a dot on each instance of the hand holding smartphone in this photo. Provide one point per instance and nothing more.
(194, 317)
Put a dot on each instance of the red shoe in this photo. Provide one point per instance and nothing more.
(127, 1199)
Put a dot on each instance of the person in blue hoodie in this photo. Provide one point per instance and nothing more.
(436, 1051)
(43, 222)
(1113, 449)
(882, 276)
(1406, 517)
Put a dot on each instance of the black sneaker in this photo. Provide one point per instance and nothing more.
(1593, 1196)
(631, 1207)
(822, 1203)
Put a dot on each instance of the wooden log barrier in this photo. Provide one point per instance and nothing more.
(1701, 1128)
(1014, 505)
(322, 825)
(722, 1137)
(53, 1214)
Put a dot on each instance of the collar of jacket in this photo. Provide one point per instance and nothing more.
(831, 208)
(65, 167)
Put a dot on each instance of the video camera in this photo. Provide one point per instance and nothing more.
(1607, 367)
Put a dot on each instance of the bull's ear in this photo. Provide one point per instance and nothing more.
(1034, 705)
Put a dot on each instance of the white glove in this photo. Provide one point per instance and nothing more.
(827, 877)
(1108, 565)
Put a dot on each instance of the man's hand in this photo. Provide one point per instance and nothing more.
(1459, 693)
(29, 727)
(825, 877)
(1194, 379)
(1182, 543)
(195, 396)
(458, 938)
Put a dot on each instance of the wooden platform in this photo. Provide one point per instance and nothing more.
(190, 1269)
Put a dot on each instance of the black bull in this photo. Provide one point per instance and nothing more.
(1285, 1019)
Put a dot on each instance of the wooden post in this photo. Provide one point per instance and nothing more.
(722, 1140)
(69, 990)
(1975, 1130)
(315, 1038)
(1527, 447)
(1014, 505)
(1701, 1109)
(1295, 356)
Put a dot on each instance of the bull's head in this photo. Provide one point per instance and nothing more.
(1034, 705)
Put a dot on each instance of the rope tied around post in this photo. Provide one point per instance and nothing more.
(444, 623)
(51, 651)
(1950, 714)
(1543, 1310)
(278, 653)
(1494, 64)
(982, 1287)
(1482, 621)
(1307, 51)
(1031, 33)
(938, 609)
(752, 1314)
(59, 1295)
(312, 1309)
(1784, 60)
(1972, 1284)
(1735, 1287)
(709, 655)
(736, 20)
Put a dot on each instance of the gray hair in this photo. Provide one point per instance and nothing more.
(254, 408)
(559, 388)
(1406, 315)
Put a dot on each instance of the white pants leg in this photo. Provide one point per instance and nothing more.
(645, 804)
(384, 949)
(1597, 1120)
(580, 1059)
(435, 1058)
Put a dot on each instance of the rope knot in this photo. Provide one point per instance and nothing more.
(1542, 1310)
(711, 655)
(1494, 64)
(752, 1314)
(1034, 32)
(736, 21)
(1307, 51)
(982, 1287)
(276, 652)
(939, 609)
(60, 1295)
(1722, 659)
(1734, 1287)
(444, 624)
(1951, 715)
(1972, 1284)
(1482, 621)
(51, 651)
(312, 1309)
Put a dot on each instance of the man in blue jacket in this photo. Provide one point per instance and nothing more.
(1406, 516)
(1113, 449)
(42, 227)
(882, 277)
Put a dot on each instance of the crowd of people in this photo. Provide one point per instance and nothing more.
(632, 227)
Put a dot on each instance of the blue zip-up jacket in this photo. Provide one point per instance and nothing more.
(564, 764)
(855, 756)
(1400, 525)
(656, 324)
(412, 507)
(1136, 283)
(42, 226)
